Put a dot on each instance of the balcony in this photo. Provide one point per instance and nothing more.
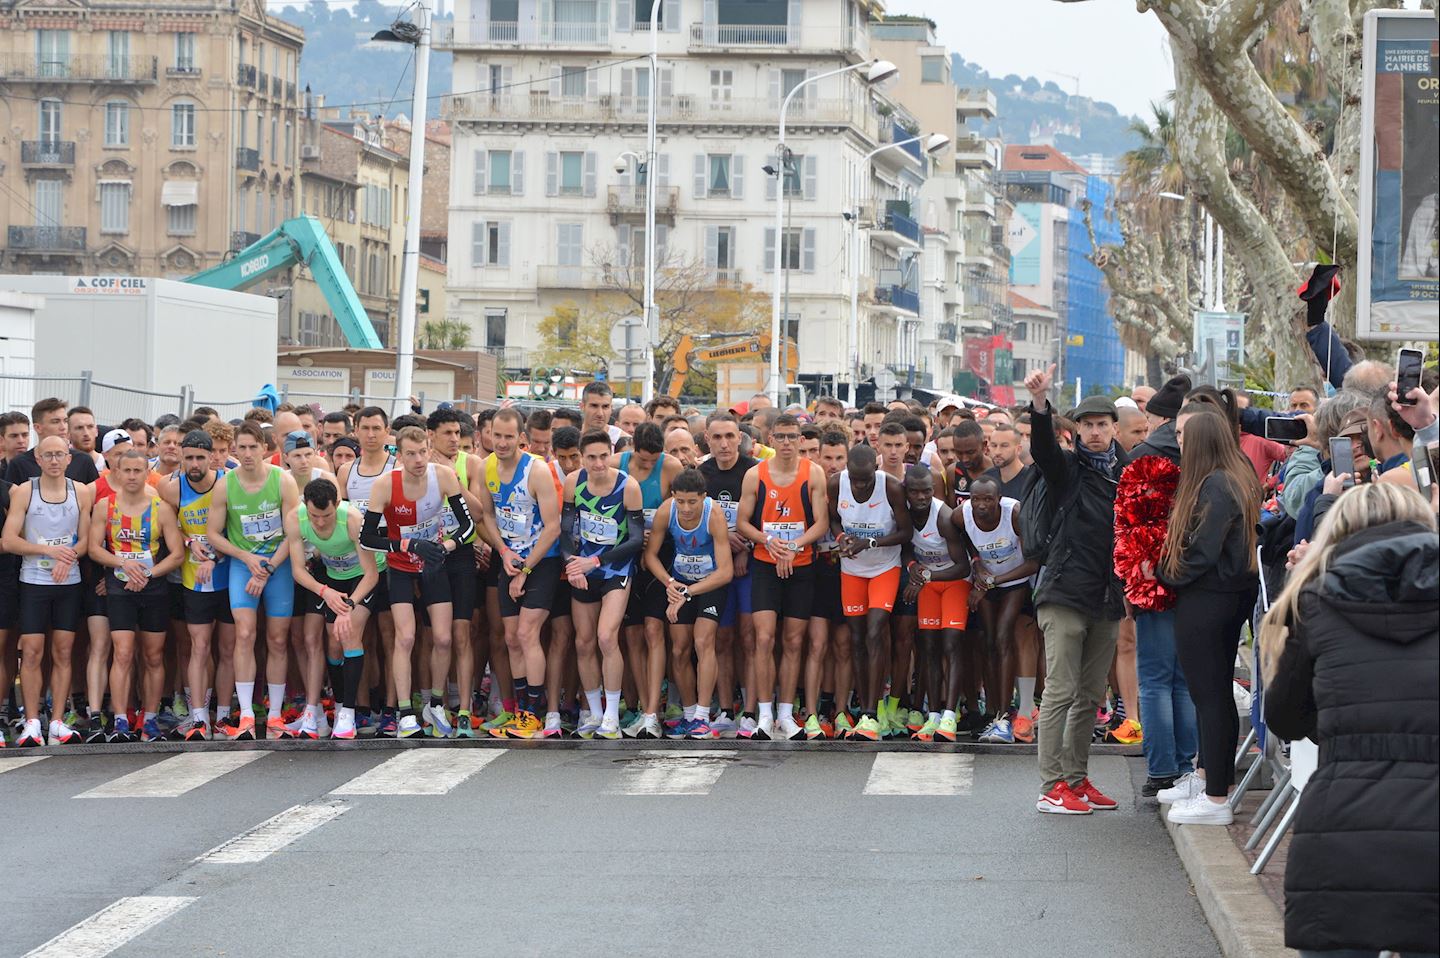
(579, 277)
(46, 239)
(47, 154)
(277, 87)
(728, 278)
(289, 92)
(182, 70)
(978, 103)
(627, 201)
(93, 68)
(896, 230)
(947, 332)
(509, 357)
(474, 34)
(240, 239)
(898, 134)
(732, 38)
(897, 300)
(247, 160)
(972, 151)
(245, 74)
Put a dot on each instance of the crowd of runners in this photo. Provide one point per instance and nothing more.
(901, 571)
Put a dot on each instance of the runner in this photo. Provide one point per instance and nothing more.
(939, 568)
(724, 475)
(695, 588)
(970, 459)
(868, 507)
(783, 512)
(125, 535)
(410, 505)
(521, 518)
(830, 647)
(247, 524)
(596, 400)
(84, 434)
(987, 521)
(48, 417)
(603, 532)
(307, 632)
(49, 517)
(205, 577)
(344, 590)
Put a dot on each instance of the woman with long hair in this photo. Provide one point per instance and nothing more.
(1350, 653)
(1208, 560)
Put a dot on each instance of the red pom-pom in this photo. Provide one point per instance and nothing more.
(1142, 512)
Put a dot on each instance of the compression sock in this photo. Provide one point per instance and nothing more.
(245, 692)
(352, 671)
(593, 703)
(276, 705)
(335, 674)
(1026, 685)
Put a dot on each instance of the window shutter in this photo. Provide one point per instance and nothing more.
(769, 264)
(662, 171)
(624, 16)
(627, 84)
(712, 246)
(552, 173)
(667, 84)
(670, 16)
(807, 250)
(592, 84)
(517, 173)
(555, 83)
(700, 171)
(623, 235)
(591, 174)
(662, 241)
(794, 22)
(480, 157)
(807, 95)
(737, 176)
(477, 244)
(811, 176)
(507, 80)
(772, 182)
(502, 257)
(774, 89)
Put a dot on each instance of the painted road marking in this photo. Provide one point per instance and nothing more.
(429, 771)
(267, 838)
(11, 764)
(111, 927)
(671, 772)
(915, 773)
(174, 776)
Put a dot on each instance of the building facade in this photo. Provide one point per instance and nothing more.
(143, 138)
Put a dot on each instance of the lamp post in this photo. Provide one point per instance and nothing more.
(652, 316)
(934, 143)
(1212, 274)
(875, 71)
(631, 160)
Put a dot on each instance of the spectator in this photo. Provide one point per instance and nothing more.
(1352, 637)
(1141, 395)
(1304, 399)
(1369, 377)
(1329, 420)
(1132, 427)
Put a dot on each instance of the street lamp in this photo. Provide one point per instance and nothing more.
(629, 159)
(1213, 274)
(934, 143)
(652, 317)
(875, 71)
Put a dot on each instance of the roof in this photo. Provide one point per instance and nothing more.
(1018, 302)
(1039, 159)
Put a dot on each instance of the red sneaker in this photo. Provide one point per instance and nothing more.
(1092, 796)
(1061, 801)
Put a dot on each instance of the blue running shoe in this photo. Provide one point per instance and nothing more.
(120, 730)
(150, 730)
(700, 731)
(680, 729)
(388, 724)
(999, 733)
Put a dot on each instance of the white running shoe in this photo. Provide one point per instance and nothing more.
(746, 728)
(723, 725)
(609, 729)
(344, 725)
(787, 731)
(652, 727)
(634, 729)
(1186, 787)
(409, 727)
(62, 734)
(1201, 811)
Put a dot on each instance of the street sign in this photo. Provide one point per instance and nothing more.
(884, 383)
(627, 335)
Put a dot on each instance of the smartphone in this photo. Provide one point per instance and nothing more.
(1342, 458)
(1285, 428)
(1407, 374)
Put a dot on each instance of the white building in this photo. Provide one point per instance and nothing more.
(550, 94)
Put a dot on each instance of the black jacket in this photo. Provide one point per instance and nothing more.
(1160, 442)
(1360, 675)
(1216, 556)
(1080, 570)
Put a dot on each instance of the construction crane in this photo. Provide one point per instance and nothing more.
(301, 240)
(752, 349)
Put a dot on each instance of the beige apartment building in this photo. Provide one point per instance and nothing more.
(143, 138)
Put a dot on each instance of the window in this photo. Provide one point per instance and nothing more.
(274, 137)
(289, 142)
(180, 220)
(52, 52)
(114, 207)
(569, 248)
(260, 133)
(49, 202)
(50, 121)
(719, 175)
(182, 126)
(117, 123)
(185, 53)
(117, 60)
(572, 82)
(499, 171)
(489, 244)
(932, 69)
(720, 251)
(1018, 335)
(496, 78)
(260, 225)
(797, 251)
(718, 181)
(722, 87)
(789, 80)
(495, 329)
(794, 164)
(572, 173)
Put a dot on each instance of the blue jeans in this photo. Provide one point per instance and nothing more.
(1167, 715)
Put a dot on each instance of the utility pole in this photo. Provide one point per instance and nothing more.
(410, 256)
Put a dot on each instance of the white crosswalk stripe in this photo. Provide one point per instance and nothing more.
(11, 764)
(421, 771)
(111, 927)
(671, 772)
(918, 773)
(174, 776)
(273, 834)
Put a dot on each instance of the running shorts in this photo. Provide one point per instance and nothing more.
(432, 589)
(647, 599)
(790, 598)
(208, 608)
(348, 587)
(541, 589)
(147, 610)
(598, 588)
(278, 595)
(710, 605)
(47, 607)
(460, 570)
(738, 598)
(859, 595)
(945, 605)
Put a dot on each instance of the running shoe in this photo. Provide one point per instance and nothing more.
(1154, 786)
(388, 724)
(867, 729)
(527, 725)
(700, 731)
(31, 735)
(150, 730)
(680, 729)
(745, 728)
(628, 717)
(652, 728)
(926, 732)
(1092, 796)
(1061, 801)
(673, 713)
(275, 729)
(1023, 729)
(633, 728)
(502, 731)
(462, 726)
(120, 732)
(1126, 733)
(589, 725)
(914, 721)
(309, 729)
(787, 731)
(62, 734)
(608, 730)
(344, 727)
(998, 733)
(723, 726)
(553, 728)
(765, 730)
(242, 731)
(813, 729)
(438, 719)
(947, 730)
(844, 728)
(827, 728)
(409, 727)
(503, 718)
(168, 721)
(96, 733)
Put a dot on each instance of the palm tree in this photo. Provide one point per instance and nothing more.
(1154, 166)
(444, 334)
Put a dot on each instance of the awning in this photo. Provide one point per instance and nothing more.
(180, 193)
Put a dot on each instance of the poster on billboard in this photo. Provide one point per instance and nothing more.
(1218, 347)
(1025, 245)
(1399, 264)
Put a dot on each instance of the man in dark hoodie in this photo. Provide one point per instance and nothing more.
(1167, 714)
(1077, 595)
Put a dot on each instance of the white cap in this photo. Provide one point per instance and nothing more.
(113, 438)
(1127, 401)
(949, 402)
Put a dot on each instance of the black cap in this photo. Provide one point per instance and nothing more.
(348, 443)
(197, 439)
(1093, 406)
(1167, 402)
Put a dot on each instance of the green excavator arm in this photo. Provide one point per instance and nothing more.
(298, 240)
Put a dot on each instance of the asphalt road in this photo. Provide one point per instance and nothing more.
(599, 850)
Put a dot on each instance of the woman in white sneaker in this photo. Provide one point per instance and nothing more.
(1351, 658)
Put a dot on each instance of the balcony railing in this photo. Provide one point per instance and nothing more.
(247, 159)
(898, 297)
(47, 153)
(245, 74)
(277, 87)
(630, 200)
(46, 239)
(777, 37)
(947, 332)
(897, 222)
(240, 239)
(975, 102)
(728, 278)
(289, 92)
(509, 357)
(898, 134)
(88, 68)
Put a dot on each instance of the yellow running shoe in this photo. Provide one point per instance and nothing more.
(501, 729)
(1126, 733)
(527, 725)
(867, 729)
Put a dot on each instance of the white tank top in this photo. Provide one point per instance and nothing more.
(358, 486)
(931, 549)
(51, 524)
(999, 549)
(868, 520)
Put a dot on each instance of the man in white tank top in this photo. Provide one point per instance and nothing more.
(1001, 589)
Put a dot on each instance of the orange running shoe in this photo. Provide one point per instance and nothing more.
(1023, 729)
(241, 731)
(275, 728)
(1126, 733)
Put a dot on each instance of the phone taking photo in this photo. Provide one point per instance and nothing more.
(1285, 428)
(1408, 366)
(1342, 459)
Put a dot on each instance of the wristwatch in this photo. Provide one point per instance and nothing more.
(685, 591)
(349, 602)
(265, 565)
(870, 543)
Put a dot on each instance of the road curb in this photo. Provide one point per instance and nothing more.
(1245, 921)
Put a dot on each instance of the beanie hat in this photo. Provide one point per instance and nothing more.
(1167, 402)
